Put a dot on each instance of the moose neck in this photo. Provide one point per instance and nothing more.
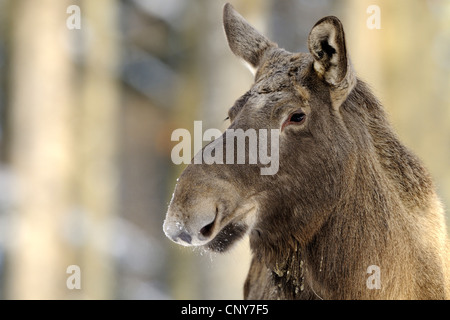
(314, 259)
(312, 244)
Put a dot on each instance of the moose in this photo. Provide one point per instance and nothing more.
(347, 195)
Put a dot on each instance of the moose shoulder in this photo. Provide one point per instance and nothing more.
(347, 195)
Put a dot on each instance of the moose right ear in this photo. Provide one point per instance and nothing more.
(326, 44)
(244, 40)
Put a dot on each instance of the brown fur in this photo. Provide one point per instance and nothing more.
(348, 194)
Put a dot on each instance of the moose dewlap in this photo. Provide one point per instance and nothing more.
(350, 214)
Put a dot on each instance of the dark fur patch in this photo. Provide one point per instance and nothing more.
(329, 50)
(226, 237)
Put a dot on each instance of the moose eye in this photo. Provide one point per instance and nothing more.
(297, 117)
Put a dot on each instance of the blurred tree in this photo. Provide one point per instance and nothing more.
(42, 149)
(63, 148)
(97, 137)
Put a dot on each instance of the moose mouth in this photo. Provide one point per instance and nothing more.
(230, 233)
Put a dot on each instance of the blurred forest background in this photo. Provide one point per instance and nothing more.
(86, 116)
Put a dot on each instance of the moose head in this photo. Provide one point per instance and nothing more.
(347, 194)
(300, 94)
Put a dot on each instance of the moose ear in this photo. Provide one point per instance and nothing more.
(326, 43)
(244, 40)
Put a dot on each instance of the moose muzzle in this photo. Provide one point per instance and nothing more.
(190, 230)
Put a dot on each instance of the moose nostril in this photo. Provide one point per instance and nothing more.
(185, 237)
(206, 230)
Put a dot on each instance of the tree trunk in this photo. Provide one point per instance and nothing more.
(42, 149)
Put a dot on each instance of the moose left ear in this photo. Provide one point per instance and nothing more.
(244, 40)
(326, 43)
